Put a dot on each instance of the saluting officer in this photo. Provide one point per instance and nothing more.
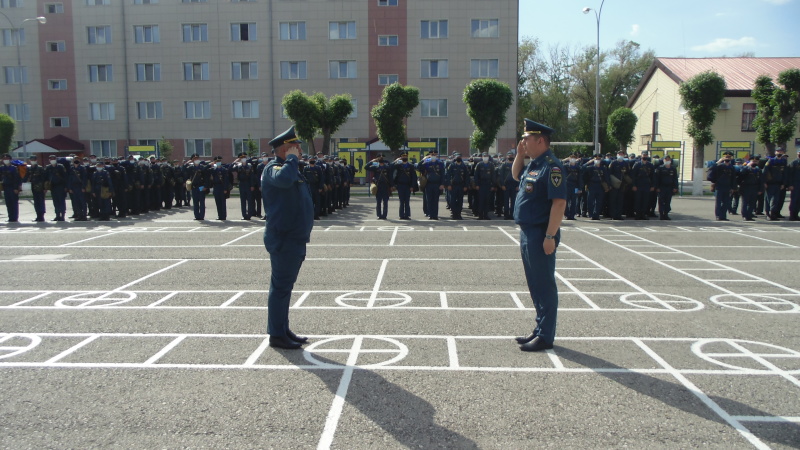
(722, 178)
(508, 186)
(405, 180)
(485, 182)
(539, 210)
(433, 169)
(775, 182)
(56, 175)
(666, 181)
(618, 173)
(750, 185)
(220, 180)
(102, 190)
(290, 218)
(313, 173)
(12, 186)
(382, 177)
(457, 179)
(37, 177)
(642, 174)
(596, 180)
(245, 176)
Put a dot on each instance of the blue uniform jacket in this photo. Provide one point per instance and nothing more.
(287, 203)
(540, 183)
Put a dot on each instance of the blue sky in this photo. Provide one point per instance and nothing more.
(672, 28)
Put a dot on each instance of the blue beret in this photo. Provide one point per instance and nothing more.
(532, 127)
(284, 138)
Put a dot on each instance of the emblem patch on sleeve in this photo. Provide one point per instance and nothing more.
(529, 187)
(555, 176)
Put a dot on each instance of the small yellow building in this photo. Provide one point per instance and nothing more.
(657, 104)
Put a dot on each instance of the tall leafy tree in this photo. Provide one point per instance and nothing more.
(621, 125)
(701, 96)
(778, 106)
(165, 148)
(544, 85)
(487, 102)
(7, 125)
(316, 114)
(396, 104)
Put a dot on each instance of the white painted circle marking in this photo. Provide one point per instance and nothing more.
(360, 299)
(765, 303)
(766, 351)
(7, 351)
(96, 298)
(656, 301)
(400, 351)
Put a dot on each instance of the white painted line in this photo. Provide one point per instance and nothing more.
(240, 238)
(443, 300)
(68, 351)
(509, 235)
(768, 419)
(577, 292)
(43, 294)
(377, 287)
(335, 413)
(517, 301)
(122, 288)
(40, 257)
(162, 300)
(89, 239)
(557, 364)
(165, 350)
(394, 236)
(761, 360)
(257, 354)
(302, 299)
(452, 351)
(231, 300)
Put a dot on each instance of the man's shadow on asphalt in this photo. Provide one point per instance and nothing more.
(679, 397)
(408, 418)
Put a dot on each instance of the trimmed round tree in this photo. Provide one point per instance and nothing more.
(621, 125)
(396, 104)
(487, 102)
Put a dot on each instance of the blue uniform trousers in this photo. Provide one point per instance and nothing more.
(773, 203)
(722, 202)
(457, 200)
(540, 274)
(12, 204)
(794, 201)
(572, 201)
(749, 194)
(432, 194)
(596, 198)
(509, 199)
(484, 200)
(616, 199)
(315, 198)
(382, 201)
(246, 202)
(404, 194)
(219, 200)
(79, 204)
(664, 201)
(285, 262)
(199, 200)
(641, 201)
(39, 205)
(59, 195)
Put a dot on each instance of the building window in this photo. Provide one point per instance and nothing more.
(654, 132)
(101, 111)
(16, 75)
(748, 116)
(97, 2)
(485, 28)
(193, 1)
(10, 3)
(434, 107)
(146, 34)
(149, 110)
(59, 122)
(54, 8)
(100, 73)
(198, 109)
(13, 37)
(14, 112)
(434, 68)
(386, 79)
(195, 71)
(200, 146)
(148, 72)
(243, 146)
(56, 46)
(195, 32)
(293, 31)
(293, 70)
(100, 35)
(243, 32)
(104, 148)
(244, 70)
(387, 2)
(245, 109)
(57, 85)
(434, 29)
(145, 2)
(483, 68)
(147, 142)
(342, 69)
(342, 30)
(387, 41)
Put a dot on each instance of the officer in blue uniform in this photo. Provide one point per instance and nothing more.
(596, 180)
(618, 169)
(749, 181)
(666, 182)
(642, 174)
(245, 176)
(508, 186)
(722, 177)
(37, 177)
(433, 169)
(56, 176)
(382, 178)
(12, 186)
(290, 217)
(457, 180)
(775, 182)
(102, 190)
(76, 186)
(220, 181)
(539, 210)
(405, 180)
(313, 174)
(485, 182)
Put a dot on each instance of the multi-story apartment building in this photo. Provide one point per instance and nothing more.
(210, 74)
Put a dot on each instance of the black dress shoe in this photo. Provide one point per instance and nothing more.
(296, 338)
(283, 342)
(525, 339)
(536, 345)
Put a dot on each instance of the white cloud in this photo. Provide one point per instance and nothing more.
(635, 30)
(724, 44)
(777, 2)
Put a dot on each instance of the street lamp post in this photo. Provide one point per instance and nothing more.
(597, 14)
(21, 111)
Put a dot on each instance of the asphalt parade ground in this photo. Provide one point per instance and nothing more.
(151, 333)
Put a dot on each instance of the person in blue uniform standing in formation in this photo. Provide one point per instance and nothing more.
(76, 186)
(56, 176)
(642, 174)
(618, 170)
(313, 173)
(666, 182)
(775, 182)
(245, 177)
(382, 178)
(405, 180)
(457, 180)
(37, 177)
(12, 186)
(749, 181)
(433, 169)
(102, 190)
(485, 182)
(290, 216)
(573, 178)
(508, 186)
(539, 210)
(596, 180)
(722, 177)
(220, 181)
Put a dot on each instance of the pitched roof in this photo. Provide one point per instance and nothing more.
(61, 143)
(739, 73)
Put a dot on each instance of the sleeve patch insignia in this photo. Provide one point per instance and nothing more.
(555, 178)
(529, 188)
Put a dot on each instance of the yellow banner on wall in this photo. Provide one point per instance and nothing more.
(360, 163)
(666, 144)
(414, 156)
(347, 156)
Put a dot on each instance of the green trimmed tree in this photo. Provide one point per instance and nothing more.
(317, 115)
(777, 109)
(165, 148)
(621, 125)
(701, 96)
(487, 101)
(7, 126)
(396, 104)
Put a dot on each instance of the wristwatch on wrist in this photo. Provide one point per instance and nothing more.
(549, 236)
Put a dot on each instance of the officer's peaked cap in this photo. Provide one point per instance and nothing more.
(285, 138)
(532, 127)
